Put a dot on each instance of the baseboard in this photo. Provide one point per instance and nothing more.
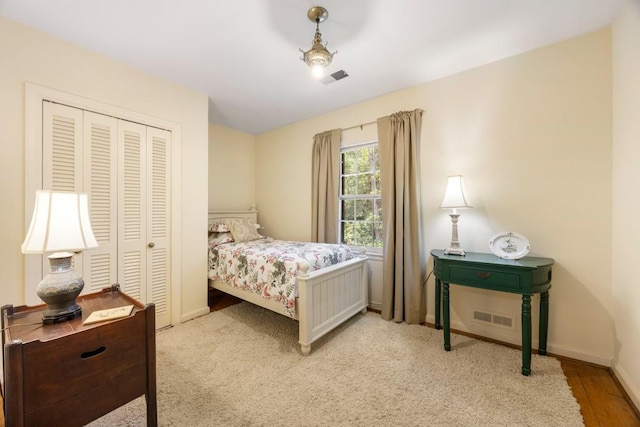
(633, 394)
(579, 355)
(552, 348)
(193, 314)
(375, 306)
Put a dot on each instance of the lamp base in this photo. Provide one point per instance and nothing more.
(454, 247)
(455, 251)
(59, 290)
(49, 317)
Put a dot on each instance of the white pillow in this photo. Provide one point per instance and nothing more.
(243, 230)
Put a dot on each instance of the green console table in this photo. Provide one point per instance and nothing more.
(525, 276)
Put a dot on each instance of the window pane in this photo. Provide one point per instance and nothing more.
(365, 160)
(377, 234)
(364, 233)
(364, 183)
(348, 209)
(376, 207)
(363, 210)
(349, 162)
(349, 185)
(348, 236)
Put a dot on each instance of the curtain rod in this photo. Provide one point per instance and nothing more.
(360, 126)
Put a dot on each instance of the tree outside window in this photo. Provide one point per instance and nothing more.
(360, 196)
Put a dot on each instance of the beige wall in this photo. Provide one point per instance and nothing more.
(27, 55)
(532, 136)
(626, 196)
(231, 169)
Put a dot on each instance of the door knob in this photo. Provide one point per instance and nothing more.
(151, 244)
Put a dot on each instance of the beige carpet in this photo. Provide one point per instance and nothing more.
(241, 366)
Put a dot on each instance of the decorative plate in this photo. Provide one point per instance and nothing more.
(509, 245)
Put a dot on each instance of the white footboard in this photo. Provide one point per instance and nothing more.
(328, 297)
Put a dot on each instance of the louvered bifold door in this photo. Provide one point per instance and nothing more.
(125, 168)
(62, 162)
(158, 223)
(100, 265)
(132, 244)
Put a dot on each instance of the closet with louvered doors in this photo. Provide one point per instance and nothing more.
(125, 168)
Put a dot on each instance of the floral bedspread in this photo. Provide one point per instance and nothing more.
(269, 267)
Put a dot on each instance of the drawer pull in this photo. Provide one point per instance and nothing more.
(97, 351)
(484, 275)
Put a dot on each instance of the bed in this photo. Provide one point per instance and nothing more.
(324, 298)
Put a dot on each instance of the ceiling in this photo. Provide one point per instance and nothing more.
(244, 54)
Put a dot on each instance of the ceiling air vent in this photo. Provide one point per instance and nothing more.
(334, 77)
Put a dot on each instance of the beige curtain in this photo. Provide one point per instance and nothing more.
(324, 186)
(399, 145)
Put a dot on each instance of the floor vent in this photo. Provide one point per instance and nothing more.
(493, 319)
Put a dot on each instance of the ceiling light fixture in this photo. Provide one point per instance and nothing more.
(318, 57)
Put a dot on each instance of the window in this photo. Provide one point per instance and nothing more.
(360, 196)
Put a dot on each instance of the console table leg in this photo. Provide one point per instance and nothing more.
(437, 297)
(446, 318)
(544, 323)
(526, 334)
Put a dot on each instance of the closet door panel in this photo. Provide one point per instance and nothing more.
(100, 265)
(62, 148)
(132, 209)
(62, 162)
(158, 222)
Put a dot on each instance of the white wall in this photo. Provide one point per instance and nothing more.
(231, 169)
(532, 136)
(28, 55)
(626, 196)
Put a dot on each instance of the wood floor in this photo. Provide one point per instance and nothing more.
(602, 400)
(601, 397)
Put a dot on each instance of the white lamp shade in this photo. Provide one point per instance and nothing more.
(60, 223)
(454, 196)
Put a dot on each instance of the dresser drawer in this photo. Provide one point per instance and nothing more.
(100, 366)
(485, 278)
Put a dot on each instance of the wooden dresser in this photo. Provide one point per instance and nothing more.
(71, 374)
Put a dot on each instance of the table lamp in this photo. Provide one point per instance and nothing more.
(454, 198)
(60, 224)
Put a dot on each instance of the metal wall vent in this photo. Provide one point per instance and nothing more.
(493, 319)
(334, 77)
(483, 317)
(502, 320)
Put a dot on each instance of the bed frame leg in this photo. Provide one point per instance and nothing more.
(306, 349)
